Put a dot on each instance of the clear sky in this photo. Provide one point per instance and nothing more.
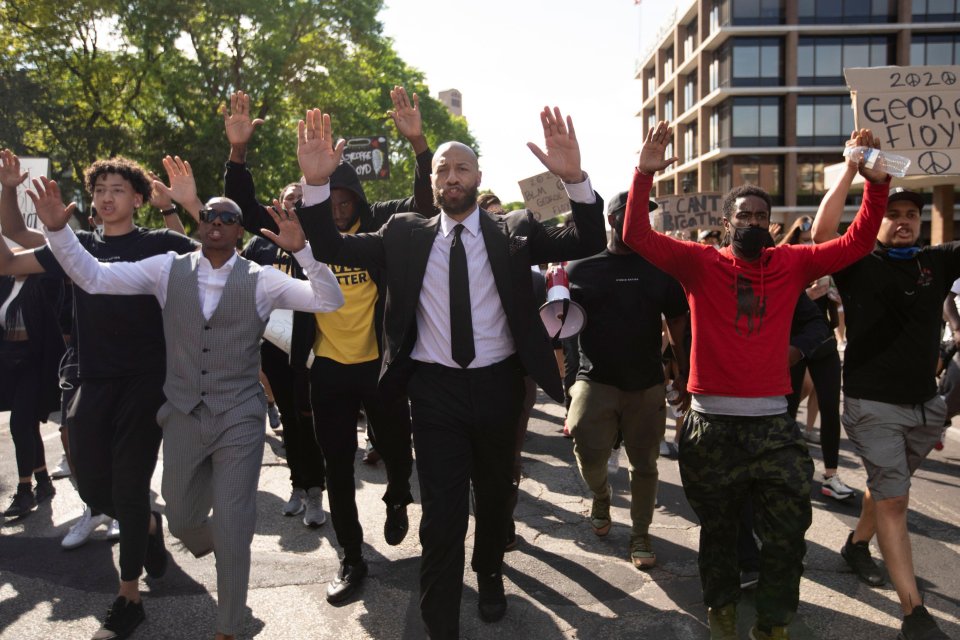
(510, 58)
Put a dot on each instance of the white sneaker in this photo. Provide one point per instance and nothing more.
(62, 470)
(295, 505)
(314, 516)
(613, 462)
(833, 487)
(80, 531)
(113, 530)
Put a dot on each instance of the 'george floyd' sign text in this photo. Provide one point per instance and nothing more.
(686, 212)
(915, 112)
(369, 157)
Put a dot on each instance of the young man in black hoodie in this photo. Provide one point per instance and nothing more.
(346, 343)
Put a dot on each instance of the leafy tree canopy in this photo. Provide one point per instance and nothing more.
(146, 78)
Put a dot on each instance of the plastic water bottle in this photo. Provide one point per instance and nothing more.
(884, 161)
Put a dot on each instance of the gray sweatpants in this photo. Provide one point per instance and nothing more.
(214, 462)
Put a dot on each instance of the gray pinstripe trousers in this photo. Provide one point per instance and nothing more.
(214, 462)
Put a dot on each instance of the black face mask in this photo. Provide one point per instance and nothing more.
(750, 241)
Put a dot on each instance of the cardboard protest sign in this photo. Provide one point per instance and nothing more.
(915, 111)
(544, 195)
(36, 167)
(687, 211)
(369, 156)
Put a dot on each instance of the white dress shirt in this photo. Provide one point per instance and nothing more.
(275, 290)
(492, 340)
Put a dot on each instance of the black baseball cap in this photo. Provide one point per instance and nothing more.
(619, 203)
(899, 193)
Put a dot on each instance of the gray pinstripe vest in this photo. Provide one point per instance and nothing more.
(217, 361)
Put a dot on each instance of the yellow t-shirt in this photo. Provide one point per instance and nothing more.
(348, 335)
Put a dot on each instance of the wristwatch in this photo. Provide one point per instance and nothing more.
(169, 212)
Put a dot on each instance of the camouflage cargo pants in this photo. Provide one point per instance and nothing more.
(724, 460)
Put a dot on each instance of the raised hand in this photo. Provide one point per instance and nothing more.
(291, 237)
(406, 115)
(865, 138)
(562, 156)
(159, 199)
(183, 186)
(10, 176)
(316, 153)
(49, 204)
(236, 121)
(655, 148)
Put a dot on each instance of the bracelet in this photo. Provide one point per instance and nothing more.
(169, 212)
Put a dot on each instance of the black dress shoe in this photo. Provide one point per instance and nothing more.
(395, 528)
(349, 578)
(155, 560)
(493, 602)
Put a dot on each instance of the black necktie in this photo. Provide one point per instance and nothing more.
(461, 320)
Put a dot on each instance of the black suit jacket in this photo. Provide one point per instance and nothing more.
(514, 242)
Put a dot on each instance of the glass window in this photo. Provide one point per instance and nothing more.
(750, 12)
(756, 62)
(821, 61)
(714, 129)
(823, 120)
(828, 60)
(845, 11)
(690, 91)
(935, 10)
(756, 122)
(668, 109)
(746, 61)
(763, 171)
(690, 143)
(942, 49)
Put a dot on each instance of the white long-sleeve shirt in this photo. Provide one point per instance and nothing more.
(151, 276)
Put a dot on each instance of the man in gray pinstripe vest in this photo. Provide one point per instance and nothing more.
(213, 420)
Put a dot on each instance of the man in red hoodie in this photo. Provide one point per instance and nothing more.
(738, 440)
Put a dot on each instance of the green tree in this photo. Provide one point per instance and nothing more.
(146, 78)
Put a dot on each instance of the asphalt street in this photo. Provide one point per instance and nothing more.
(562, 581)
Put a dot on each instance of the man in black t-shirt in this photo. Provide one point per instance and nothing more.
(619, 386)
(893, 301)
(114, 437)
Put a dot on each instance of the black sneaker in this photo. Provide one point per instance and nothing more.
(155, 561)
(45, 491)
(749, 579)
(22, 504)
(347, 581)
(857, 555)
(122, 618)
(920, 625)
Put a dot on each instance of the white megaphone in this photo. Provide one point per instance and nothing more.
(562, 317)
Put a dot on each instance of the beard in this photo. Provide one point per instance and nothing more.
(463, 204)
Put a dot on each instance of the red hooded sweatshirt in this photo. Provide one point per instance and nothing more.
(741, 311)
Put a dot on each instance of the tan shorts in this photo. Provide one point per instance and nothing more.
(892, 439)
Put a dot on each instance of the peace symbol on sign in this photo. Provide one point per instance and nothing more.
(948, 78)
(934, 162)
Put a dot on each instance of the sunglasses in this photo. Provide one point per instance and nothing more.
(226, 217)
(806, 226)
